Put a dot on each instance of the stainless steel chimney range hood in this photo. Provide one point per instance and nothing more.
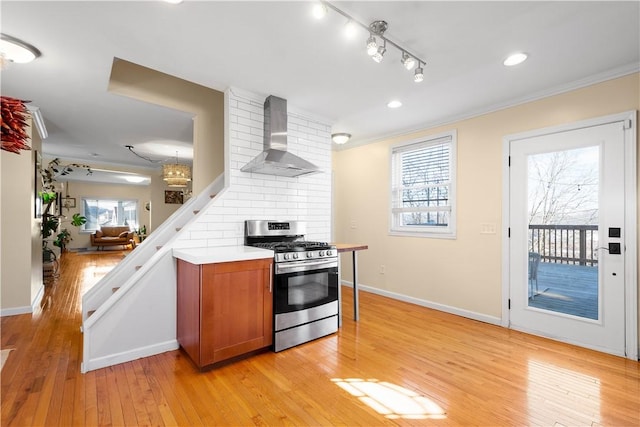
(275, 159)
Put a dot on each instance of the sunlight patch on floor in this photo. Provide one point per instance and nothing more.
(562, 396)
(391, 400)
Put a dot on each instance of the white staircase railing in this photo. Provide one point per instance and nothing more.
(130, 312)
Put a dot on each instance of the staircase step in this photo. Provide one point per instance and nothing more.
(211, 196)
(138, 267)
(196, 212)
(89, 313)
(178, 228)
(115, 289)
(158, 247)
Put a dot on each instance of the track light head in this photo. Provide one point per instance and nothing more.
(407, 61)
(418, 75)
(379, 55)
(372, 46)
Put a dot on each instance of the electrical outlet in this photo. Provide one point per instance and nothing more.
(353, 223)
(382, 269)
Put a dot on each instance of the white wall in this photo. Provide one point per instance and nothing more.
(256, 196)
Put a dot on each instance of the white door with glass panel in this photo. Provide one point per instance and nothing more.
(567, 228)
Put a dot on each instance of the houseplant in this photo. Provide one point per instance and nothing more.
(64, 237)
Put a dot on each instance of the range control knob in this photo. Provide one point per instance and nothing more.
(321, 253)
(329, 253)
(286, 256)
(295, 256)
(309, 254)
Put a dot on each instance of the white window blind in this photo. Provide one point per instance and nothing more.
(423, 187)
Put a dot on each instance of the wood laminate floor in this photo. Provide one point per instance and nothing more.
(401, 364)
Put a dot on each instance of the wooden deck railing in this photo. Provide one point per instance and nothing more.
(565, 244)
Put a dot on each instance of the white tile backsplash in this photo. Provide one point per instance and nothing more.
(256, 196)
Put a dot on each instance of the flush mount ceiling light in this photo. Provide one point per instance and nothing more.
(515, 59)
(340, 138)
(376, 30)
(15, 50)
(394, 104)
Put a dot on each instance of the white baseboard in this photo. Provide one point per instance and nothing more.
(429, 304)
(35, 304)
(15, 310)
(128, 356)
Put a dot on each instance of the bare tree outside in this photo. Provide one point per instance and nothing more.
(563, 187)
(563, 205)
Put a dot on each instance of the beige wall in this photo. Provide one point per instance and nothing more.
(206, 104)
(464, 273)
(20, 247)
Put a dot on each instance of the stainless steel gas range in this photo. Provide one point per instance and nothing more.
(305, 294)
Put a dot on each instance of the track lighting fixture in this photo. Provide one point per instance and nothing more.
(407, 61)
(418, 76)
(376, 33)
(372, 46)
(379, 55)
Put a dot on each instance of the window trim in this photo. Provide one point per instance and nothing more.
(438, 232)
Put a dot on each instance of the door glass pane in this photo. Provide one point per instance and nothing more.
(563, 231)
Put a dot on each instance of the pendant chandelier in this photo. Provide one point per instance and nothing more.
(175, 174)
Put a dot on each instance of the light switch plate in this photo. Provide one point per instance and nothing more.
(488, 228)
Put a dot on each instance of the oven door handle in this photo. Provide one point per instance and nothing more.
(297, 266)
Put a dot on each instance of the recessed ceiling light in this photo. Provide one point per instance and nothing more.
(515, 59)
(394, 104)
(319, 11)
(350, 29)
(173, 1)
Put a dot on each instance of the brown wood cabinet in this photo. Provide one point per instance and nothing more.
(225, 309)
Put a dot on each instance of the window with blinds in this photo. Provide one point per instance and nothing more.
(423, 187)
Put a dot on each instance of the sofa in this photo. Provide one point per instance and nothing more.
(112, 236)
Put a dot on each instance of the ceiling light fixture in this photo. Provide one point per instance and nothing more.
(340, 138)
(319, 11)
(350, 29)
(379, 55)
(515, 59)
(15, 50)
(175, 174)
(418, 76)
(407, 61)
(372, 46)
(394, 104)
(376, 30)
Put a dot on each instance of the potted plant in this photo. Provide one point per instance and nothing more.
(64, 237)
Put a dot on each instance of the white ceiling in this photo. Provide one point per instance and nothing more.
(279, 48)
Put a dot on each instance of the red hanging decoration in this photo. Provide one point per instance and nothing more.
(14, 123)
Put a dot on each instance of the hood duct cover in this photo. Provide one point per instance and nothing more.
(275, 159)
